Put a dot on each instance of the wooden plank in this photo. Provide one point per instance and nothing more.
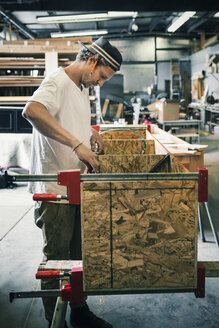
(105, 106)
(13, 100)
(191, 155)
(40, 46)
(119, 110)
(20, 80)
(128, 146)
(65, 265)
(28, 62)
(139, 235)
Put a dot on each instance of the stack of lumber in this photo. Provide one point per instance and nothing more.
(28, 62)
(40, 46)
(20, 81)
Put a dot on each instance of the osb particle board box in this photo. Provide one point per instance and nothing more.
(139, 235)
(168, 111)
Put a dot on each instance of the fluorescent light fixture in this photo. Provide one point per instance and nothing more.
(112, 14)
(78, 33)
(217, 14)
(85, 17)
(180, 21)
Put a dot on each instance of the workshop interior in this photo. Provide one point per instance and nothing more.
(150, 216)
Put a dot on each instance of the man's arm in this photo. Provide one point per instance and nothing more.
(45, 123)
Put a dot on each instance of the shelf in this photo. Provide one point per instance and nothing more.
(16, 100)
(28, 63)
(20, 81)
(40, 46)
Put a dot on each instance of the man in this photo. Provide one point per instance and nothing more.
(59, 111)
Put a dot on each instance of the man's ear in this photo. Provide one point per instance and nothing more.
(91, 60)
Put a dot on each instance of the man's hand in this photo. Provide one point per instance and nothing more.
(96, 138)
(88, 157)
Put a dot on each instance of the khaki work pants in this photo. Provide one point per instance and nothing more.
(61, 228)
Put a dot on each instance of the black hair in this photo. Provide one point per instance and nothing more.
(84, 54)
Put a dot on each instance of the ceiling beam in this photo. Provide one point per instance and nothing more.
(200, 21)
(15, 22)
(154, 23)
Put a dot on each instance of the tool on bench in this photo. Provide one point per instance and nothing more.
(71, 292)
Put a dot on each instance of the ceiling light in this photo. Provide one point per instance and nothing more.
(217, 14)
(122, 13)
(134, 27)
(85, 17)
(78, 33)
(180, 21)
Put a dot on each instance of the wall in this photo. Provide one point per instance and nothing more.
(139, 60)
(198, 64)
(138, 67)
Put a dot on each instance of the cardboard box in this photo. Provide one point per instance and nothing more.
(168, 111)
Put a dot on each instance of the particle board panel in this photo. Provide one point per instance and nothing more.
(131, 163)
(139, 235)
(128, 146)
(124, 134)
(97, 236)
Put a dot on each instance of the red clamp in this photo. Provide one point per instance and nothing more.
(148, 127)
(71, 179)
(96, 127)
(45, 197)
(48, 274)
(202, 184)
(200, 291)
(73, 292)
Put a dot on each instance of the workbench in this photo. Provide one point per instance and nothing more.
(139, 223)
(207, 111)
(184, 123)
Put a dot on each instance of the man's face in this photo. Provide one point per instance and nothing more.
(98, 76)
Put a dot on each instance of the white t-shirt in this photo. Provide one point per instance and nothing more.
(70, 107)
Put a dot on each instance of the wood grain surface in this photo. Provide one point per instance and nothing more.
(139, 235)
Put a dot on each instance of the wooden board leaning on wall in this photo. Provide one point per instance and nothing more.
(139, 235)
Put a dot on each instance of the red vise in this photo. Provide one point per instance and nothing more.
(73, 292)
(71, 179)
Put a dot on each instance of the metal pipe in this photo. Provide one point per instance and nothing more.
(212, 225)
(200, 223)
(58, 319)
(18, 25)
(34, 294)
(108, 177)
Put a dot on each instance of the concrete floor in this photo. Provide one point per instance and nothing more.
(20, 255)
